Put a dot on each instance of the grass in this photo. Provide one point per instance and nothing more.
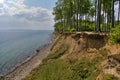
(59, 69)
(55, 68)
(104, 53)
(85, 70)
(58, 53)
(109, 77)
(115, 35)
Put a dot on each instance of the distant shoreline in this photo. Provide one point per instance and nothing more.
(29, 64)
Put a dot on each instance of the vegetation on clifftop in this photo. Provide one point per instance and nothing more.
(86, 15)
(115, 35)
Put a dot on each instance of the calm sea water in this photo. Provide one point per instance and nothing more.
(17, 46)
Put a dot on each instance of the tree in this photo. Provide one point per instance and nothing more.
(113, 14)
(76, 14)
(98, 15)
(92, 13)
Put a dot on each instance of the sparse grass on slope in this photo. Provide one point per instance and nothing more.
(52, 70)
(62, 69)
(69, 68)
(58, 53)
(109, 77)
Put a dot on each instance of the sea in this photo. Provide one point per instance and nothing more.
(16, 46)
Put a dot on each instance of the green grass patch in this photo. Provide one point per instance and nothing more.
(108, 77)
(58, 53)
(62, 70)
(104, 53)
(85, 70)
(68, 69)
(53, 70)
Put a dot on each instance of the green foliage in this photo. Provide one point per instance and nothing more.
(85, 70)
(71, 29)
(58, 27)
(74, 13)
(58, 53)
(52, 70)
(109, 77)
(63, 70)
(104, 53)
(87, 26)
(65, 12)
(115, 35)
(105, 27)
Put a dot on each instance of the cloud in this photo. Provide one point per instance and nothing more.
(14, 12)
(10, 22)
(19, 9)
(36, 14)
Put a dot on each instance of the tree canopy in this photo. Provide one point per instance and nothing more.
(85, 15)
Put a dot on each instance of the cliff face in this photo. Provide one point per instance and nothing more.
(80, 56)
(81, 43)
(92, 46)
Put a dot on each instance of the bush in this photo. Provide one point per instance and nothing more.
(62, 70)
(71, 29)
(53, 70)
(115, 35)
(85, 70)
(109, 77)
(58, 53)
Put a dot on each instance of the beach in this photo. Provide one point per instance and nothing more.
(31, 63)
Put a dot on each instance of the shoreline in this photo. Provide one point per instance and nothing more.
(29, 64)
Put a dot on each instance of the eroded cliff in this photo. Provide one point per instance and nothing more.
(80, 56)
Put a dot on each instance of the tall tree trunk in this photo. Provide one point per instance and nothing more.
(70, 14)
(64, 5)
(99, 16)
(95, 28)
(74, 9)
(77, 15)
(62, 22)
(112, 14)
(80, 18)
(79, 12)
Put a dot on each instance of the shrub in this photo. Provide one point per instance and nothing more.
(104, 53)
(109, 77)
(58, 53)
(52, 70)
(71, 29)
(115, 35)
(85, 70)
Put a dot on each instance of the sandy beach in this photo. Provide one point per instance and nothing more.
(24, 69)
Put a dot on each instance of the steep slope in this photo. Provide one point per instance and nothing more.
(79, 56)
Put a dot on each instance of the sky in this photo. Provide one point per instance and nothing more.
(116, 8)
(26, 14)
